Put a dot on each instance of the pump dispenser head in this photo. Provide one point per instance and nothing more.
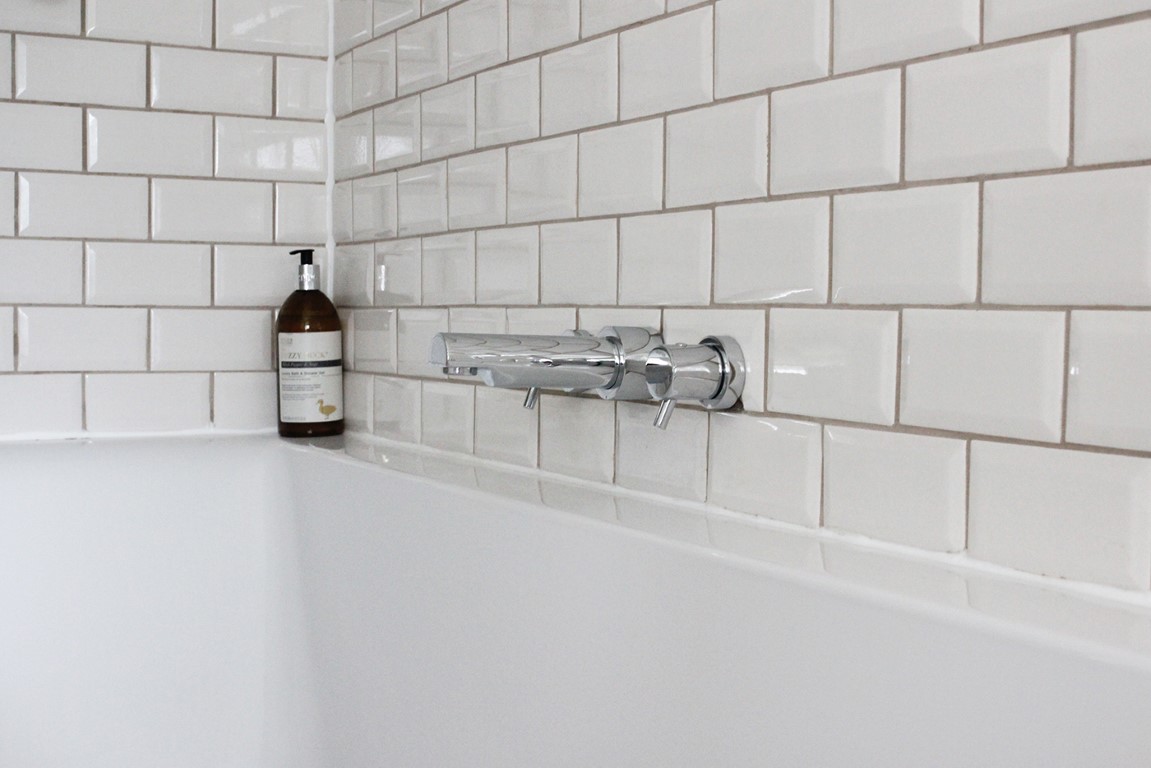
(308, 277)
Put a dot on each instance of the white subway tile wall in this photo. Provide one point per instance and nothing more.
(925, 222)
(143, 233)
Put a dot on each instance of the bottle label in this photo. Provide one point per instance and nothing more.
(311, 377)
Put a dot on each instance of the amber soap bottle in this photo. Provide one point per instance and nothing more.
(310, 367)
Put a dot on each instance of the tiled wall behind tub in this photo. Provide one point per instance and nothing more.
(926, 222)
(157, 161)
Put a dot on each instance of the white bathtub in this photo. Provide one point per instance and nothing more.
(219, 603)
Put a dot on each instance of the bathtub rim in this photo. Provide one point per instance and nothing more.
(364, 452)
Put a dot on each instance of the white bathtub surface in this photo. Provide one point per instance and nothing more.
(219, 603)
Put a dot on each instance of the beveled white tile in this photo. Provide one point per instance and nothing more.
(225, 211)
(580, 86)
(374, 72)
(478, 320)
(76, 71)
(995, 111)
(353, 23)
(374, 215)
(542, 180)
(342, 211)
(1069, 514)
(996, 373)
(621, 169)
(396, 409)
(81, 339)
(1112, 119)
(375, 344)
(39, 404)
(1042, 236)
(767, 467)
(913, 246)
(1110, 367)
(508, 103)
(301, 213)
(841, 133)
(398, 272)
(477, 189)
(353, 284)
(423, 195)
(477, 35)
(358, 401)
(602, 15)
(41, 137)
(5, 66)
(301, 88)
(1014, 18)
(35, 16)
(253, 275)
(537, 25)
(277, 26)
(717, 153)
(210, 81)
(8, 204)
(342, 85)
(670, 462)
(211, 339)
(665, 258)
(123, 141)
(908, 489)
(183, 22)
(73, 205)
(353, 145)
(41, 272)
(577, 436)
(838, 364)
(7, 341)
(448, 119)
(391, 14)
(448, 415)
(775, 251)
(422, 55)
(666, 65)
(593, 319)
(153, 274)
(397, 133)
(579, 262)
(449, 269)
(287, 150)
(540, 320)
(146, 402)
(508, 266)
(505, 430)
(244, 400)
(746, 326)
(764, 43)
(870, 32)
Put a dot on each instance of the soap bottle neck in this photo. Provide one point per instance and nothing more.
(309, 279)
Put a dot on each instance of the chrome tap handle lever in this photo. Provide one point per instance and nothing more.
(711, 372)
(532, 398)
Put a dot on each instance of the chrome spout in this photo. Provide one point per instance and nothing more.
(610, 364)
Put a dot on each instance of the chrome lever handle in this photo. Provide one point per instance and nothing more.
(711, 372)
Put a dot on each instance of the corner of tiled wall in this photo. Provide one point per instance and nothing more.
(156, 164)
(939, 272)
